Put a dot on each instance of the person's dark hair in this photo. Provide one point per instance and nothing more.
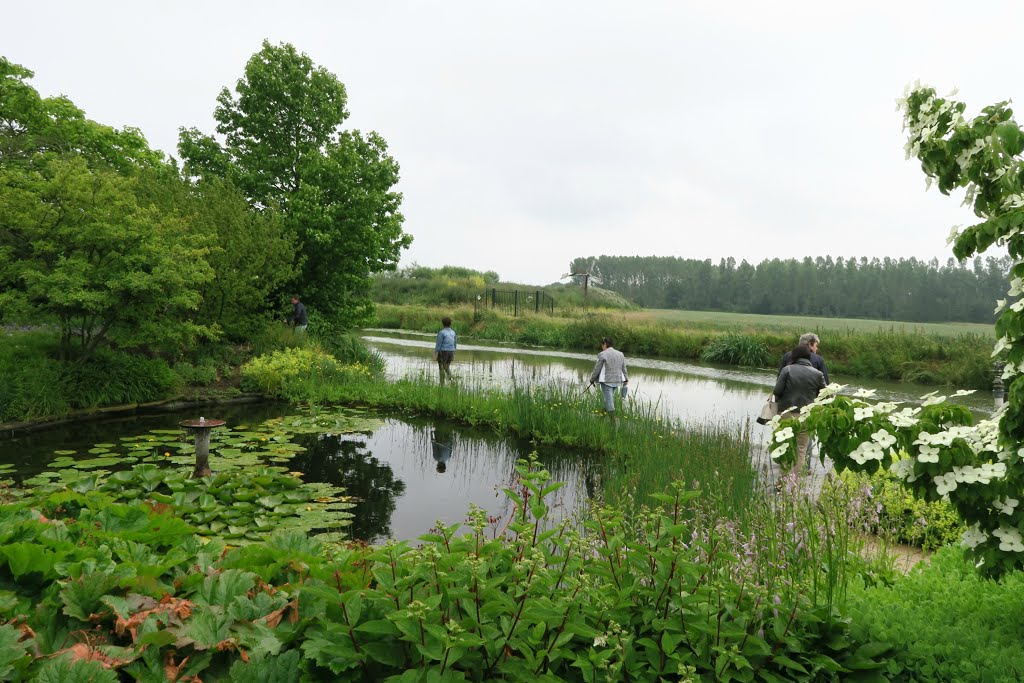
(799, 352)
(296, 297)
(609, 342)
(446, 321)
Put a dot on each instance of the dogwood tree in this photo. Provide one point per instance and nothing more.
(936, 448)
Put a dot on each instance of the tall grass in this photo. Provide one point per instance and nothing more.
(643, 451)
(961, 361)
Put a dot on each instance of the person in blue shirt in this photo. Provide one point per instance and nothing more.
(444, 349)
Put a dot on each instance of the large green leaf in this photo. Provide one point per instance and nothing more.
(284, 668)
(64, 669)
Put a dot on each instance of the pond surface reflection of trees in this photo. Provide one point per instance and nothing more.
(408, 475)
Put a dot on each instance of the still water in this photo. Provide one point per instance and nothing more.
(406, 474)
(693, 392)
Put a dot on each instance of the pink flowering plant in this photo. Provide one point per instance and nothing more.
(936, 448)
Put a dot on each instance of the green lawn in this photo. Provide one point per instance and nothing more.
(799, 324)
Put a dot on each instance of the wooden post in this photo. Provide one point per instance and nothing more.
(515, 305)
(536, 302)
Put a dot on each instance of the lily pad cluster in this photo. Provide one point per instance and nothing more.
(250, 494)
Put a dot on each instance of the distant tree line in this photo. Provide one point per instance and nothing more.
(885, 289)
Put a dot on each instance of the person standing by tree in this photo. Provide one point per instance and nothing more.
(444, 349)
(610, 372)
(299, 319)
(811, 341)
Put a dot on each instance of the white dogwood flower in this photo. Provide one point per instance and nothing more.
(973, 537)
(1000, 305)
(902, 469)
(928, 454)
(783, 434)
(944, 483)
(1009, 539)
(862, 413)
(933, 400)
(780, 451)
(1005, 504)
(864, 393)
(964, 392)
(883, 438)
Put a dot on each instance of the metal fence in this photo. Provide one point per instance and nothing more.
(515, 302)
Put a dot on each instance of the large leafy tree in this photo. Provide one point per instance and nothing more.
(79, 243)
(280, 139)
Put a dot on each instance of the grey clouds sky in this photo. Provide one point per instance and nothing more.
(533, 132)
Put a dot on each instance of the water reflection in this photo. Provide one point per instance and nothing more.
(408, 475)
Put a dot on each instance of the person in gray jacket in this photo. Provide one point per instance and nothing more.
(610, 372)
(797, 385)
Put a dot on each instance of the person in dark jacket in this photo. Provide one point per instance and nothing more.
(797, 385)
(299, 319)
(811, 341)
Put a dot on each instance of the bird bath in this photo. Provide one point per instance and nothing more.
(201, 429)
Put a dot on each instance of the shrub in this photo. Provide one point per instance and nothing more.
(201, 373)
(904, 518)
(737, 349)
(946, 622)
(272, 374)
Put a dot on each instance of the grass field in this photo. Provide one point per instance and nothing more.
(798, 324)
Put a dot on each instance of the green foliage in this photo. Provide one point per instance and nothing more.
(737, 349)
(77, 247)
(904, 518)
(274, 374)
(945, 622)
(283, 146)
(37, 384)
(884, 289)
(618, 597)
(455, 285)
(251, 253)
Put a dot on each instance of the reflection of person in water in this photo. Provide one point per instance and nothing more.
(441, 448)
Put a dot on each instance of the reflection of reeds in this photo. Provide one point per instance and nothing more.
(639, 452)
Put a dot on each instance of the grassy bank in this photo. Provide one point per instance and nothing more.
(39, 384)
(643, 452)
(885, 354)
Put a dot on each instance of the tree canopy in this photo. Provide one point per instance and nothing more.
(884, 289)
(281, 141)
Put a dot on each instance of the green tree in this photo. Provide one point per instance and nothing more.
(282, 143)
(77, 247)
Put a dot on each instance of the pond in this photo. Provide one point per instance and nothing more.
(697, 393)
(404, 473)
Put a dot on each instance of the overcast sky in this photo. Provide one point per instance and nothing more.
(533, 132)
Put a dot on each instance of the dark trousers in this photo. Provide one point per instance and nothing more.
(444, 361)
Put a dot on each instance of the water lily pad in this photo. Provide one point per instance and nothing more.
(64, 452)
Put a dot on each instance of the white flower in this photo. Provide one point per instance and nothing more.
(864, 413)
(928, 395)
(954, 232)
(600, 641)
(868, 450)
(780, 451)
(904, 418)
(864, 393)
(1017, 306)
(964, 392)
(933, 400)
(902, 468)
(1005, 504)
(831, 390)
(1000, 305)
(928, 454)
(783, 434)
(944, 438)
(1009, 370)
(973, 537)
(883, 438)
(944, 483)
(1002, 343)
(1009, 539)
(1016, 286)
